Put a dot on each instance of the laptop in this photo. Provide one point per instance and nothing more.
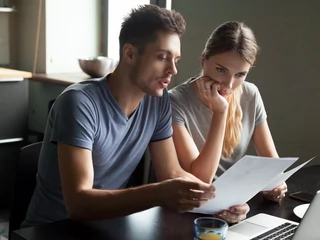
(268, 227)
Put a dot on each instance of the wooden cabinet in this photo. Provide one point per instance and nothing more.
(13, 132)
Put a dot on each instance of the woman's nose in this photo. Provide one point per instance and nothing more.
(228, 83)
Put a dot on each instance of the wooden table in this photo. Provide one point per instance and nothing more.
(161, 224)
(6, 73)
(66, 79)
(61, 78)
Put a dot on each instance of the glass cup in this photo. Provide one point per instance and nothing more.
(210, 228)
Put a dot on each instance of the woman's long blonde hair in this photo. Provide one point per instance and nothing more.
(232, 36)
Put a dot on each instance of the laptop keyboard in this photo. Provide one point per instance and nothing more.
(282, 232)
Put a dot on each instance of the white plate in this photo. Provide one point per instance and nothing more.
(300, 210)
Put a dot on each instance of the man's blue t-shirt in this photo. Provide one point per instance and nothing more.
(86, 115)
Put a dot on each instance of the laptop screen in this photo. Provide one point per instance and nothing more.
(309, 227)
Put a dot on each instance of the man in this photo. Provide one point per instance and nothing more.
(97, 132)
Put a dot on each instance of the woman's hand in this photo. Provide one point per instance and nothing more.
(234, 214)
(207, 91)
(276, 194)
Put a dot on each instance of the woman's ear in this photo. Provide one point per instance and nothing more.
(203, 59)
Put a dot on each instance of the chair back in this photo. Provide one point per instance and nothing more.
(24, 184)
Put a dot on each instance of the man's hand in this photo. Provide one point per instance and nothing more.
(207, 91)
(234, 214)
(276, 194)
(184, 194)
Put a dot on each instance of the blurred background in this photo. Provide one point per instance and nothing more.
(46, 38)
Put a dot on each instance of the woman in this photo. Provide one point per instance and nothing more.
(216, 115)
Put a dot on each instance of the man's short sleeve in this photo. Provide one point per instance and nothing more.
(164, 125)
(73, 119)
(261, 114)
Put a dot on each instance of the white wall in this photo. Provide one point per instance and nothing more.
(71, 32)
(68, 30)
(286, 70)
(117, 11)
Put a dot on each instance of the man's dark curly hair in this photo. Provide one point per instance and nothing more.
(140, 27)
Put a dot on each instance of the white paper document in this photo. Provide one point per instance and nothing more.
(282, 177)
(247, 177)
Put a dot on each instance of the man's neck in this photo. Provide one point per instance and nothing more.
(124, 92)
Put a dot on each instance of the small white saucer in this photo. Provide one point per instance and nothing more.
(300, 210)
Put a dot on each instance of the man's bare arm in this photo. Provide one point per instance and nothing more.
(85, 203)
